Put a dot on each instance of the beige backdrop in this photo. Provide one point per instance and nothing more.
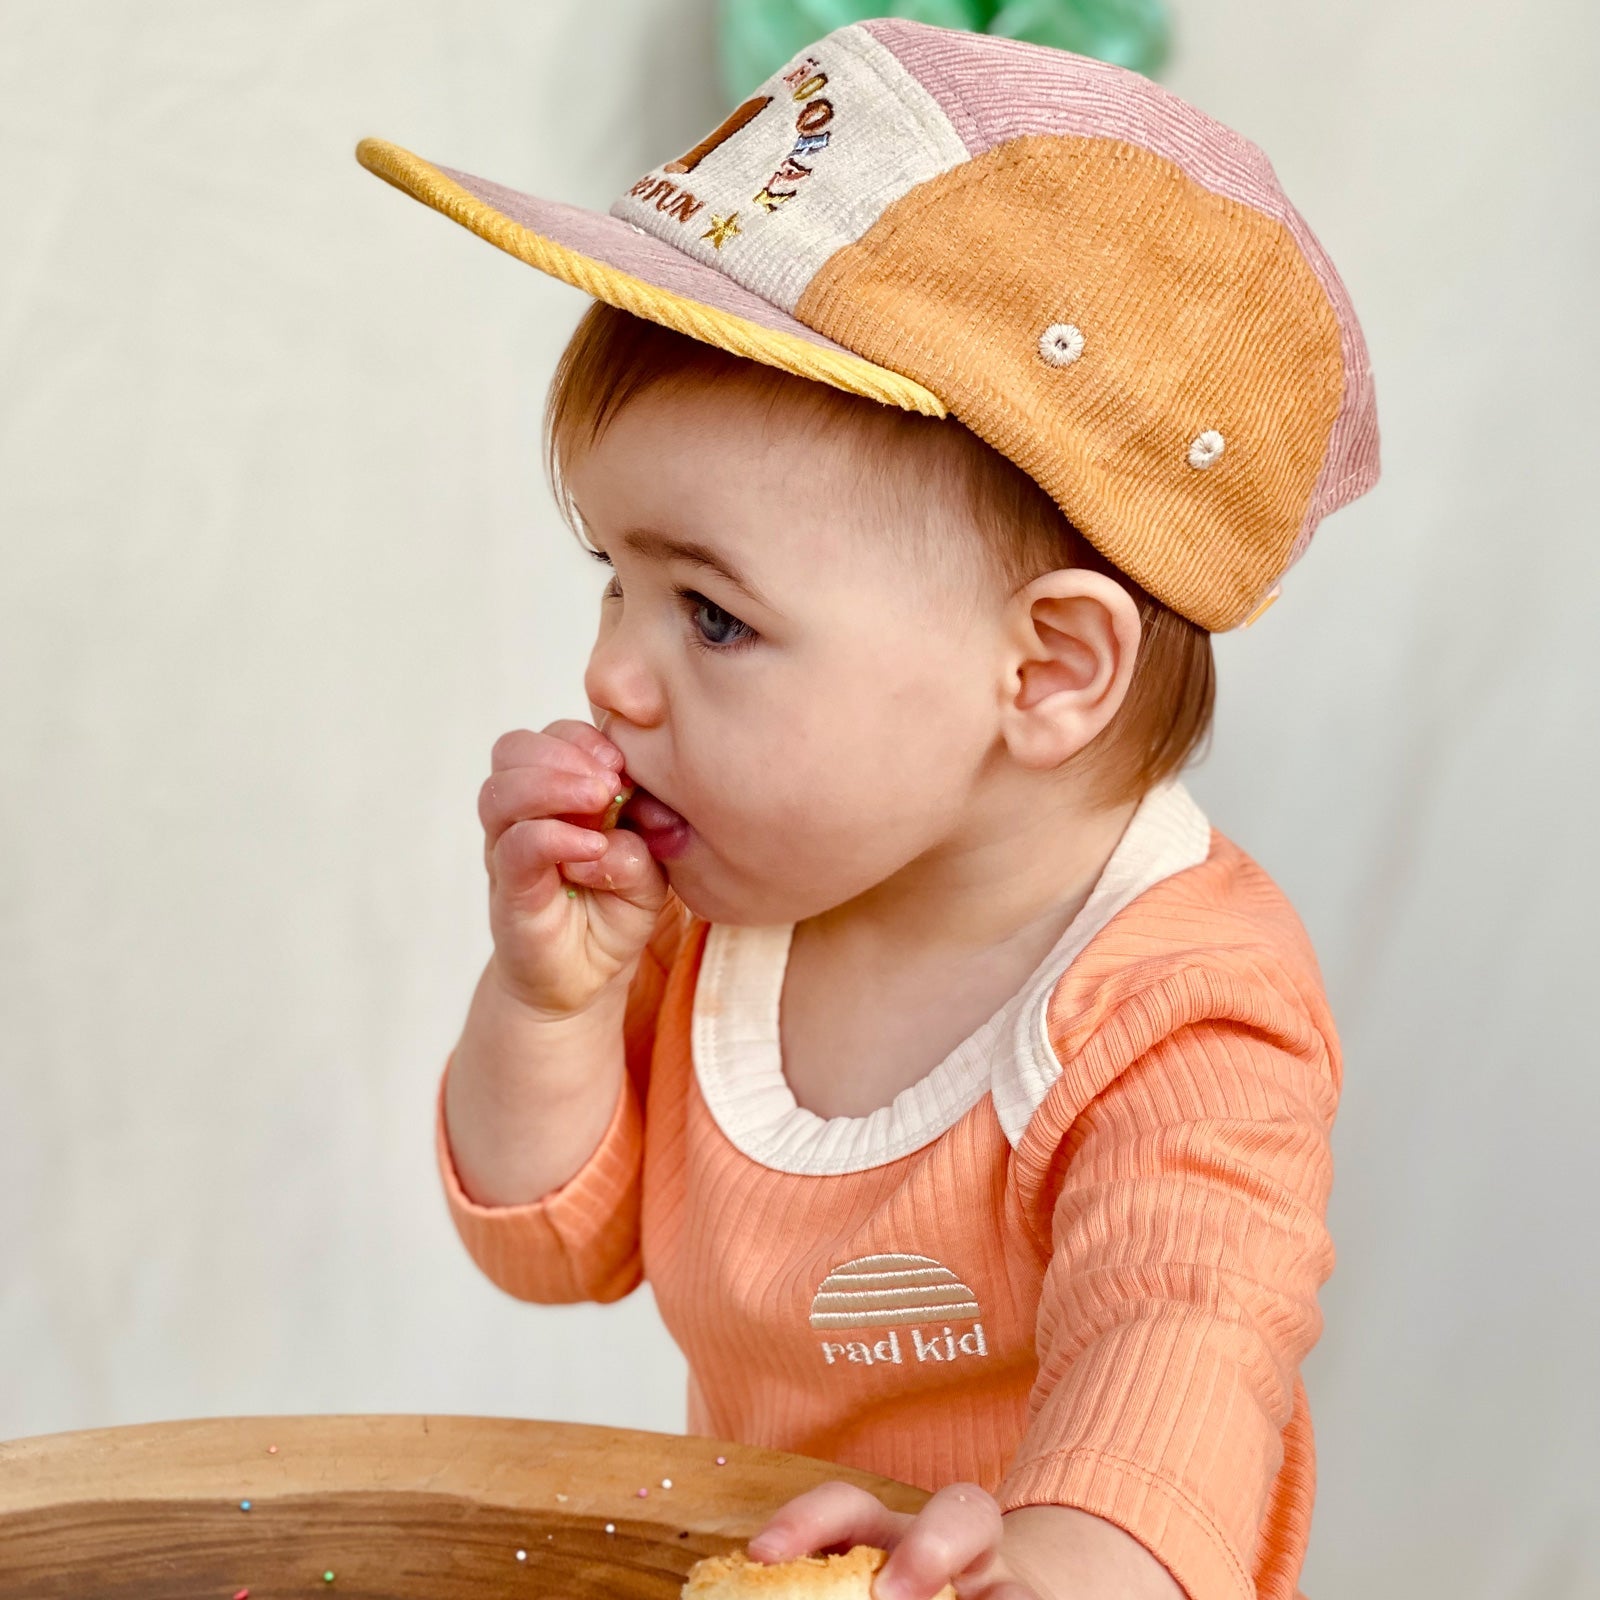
(279, 566)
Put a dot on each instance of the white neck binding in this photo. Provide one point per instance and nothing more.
(736, 1044)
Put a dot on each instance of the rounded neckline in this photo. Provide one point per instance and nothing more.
(736, 1047)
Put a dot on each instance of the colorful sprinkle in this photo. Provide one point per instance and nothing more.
(327, 1577)
(644, 1494)
(572, 894)
(241, 1594)
(522, 1555)
(666, 1483)
(272, 1449)
(562, 1498)
(244, 1505)
(611, 1527)
(722, 1461)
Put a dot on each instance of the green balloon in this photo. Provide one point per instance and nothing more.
(757, 37)
(1128, 33)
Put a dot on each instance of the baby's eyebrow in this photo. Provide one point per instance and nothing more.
(657, 546)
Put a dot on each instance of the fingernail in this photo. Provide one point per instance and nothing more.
(764, 1548)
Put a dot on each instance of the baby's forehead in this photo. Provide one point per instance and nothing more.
(804, 486)
(804, 442)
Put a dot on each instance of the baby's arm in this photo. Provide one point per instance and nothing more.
(540, 1115)
(1189, 1243)
(959, 1542)
(1061, 1553)
(527, 1099)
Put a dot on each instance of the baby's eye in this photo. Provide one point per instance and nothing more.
(613, 590)
(721, 631)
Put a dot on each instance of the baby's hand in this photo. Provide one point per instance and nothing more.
(954, 1539)
(548, 807)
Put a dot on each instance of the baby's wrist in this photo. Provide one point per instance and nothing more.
(549, 1015)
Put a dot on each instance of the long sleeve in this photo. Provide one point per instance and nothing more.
(581, 1240)
(1187, 1247)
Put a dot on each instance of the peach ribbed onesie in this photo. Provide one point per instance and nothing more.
(1076, 1263)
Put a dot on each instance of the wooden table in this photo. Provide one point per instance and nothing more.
(396, 1507)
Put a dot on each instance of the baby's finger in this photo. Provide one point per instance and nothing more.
(516, 794)
(530, 849)
(834, 1513)
(586, 737)
(522, 747)
(958, 1529)
(626, 867)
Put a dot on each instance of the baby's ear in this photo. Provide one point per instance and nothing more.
(1073, 639)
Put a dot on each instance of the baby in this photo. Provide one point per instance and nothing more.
(864, 975)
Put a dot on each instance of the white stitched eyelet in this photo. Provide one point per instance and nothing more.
(1206, 449)
(1060, 343)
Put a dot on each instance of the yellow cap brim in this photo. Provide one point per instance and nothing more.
(639, 273)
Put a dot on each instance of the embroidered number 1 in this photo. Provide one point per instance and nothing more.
(724, 131)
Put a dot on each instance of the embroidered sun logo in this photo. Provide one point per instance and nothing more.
(879, 1291)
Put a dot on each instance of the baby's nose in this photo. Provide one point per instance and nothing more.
(621, 688)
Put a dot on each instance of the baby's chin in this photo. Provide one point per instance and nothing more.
(715, 893)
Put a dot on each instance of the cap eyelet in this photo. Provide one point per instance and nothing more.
(1206, 449)
(1060, 344)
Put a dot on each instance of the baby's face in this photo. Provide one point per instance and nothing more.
(818, 728)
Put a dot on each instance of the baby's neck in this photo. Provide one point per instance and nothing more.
(877, 992)
(1010, 872)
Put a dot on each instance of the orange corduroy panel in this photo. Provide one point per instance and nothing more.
(957, 281)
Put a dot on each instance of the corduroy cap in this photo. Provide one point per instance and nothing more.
(1104, 283)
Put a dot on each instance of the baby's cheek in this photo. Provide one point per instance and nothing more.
(805, 804)
(781, 823)
(807, 788)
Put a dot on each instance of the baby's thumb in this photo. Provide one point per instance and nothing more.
(627, 870)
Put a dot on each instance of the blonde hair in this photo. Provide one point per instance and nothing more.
(1166, 714)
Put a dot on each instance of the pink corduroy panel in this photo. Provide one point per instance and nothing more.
(994, 90)
(618, 244)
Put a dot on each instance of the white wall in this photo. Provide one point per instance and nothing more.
(277, 566)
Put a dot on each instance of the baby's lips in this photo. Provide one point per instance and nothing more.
(653, 814)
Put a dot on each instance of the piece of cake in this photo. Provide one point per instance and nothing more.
(846, 1577)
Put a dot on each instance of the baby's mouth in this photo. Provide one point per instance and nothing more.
(663, 829)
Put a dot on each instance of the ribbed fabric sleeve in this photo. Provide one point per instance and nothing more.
(581, 1240)
(1188, 1244)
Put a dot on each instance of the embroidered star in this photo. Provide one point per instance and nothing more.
(722, 228)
